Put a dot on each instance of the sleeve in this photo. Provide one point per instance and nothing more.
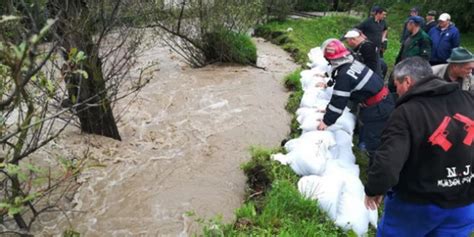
(425, 48)
(456, 39)
(385, 27)
(362, 26)
(370, 57)
(339, 99)
(390, 157)
(399, 55)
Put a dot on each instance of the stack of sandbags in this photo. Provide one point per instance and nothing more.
(325, 158)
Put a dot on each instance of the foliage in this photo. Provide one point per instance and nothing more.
(307, 34)
(30, 119)
(198, 30)
(311, 5)
(227, 46)
(292, 81)
(278, 9)
(462, 12)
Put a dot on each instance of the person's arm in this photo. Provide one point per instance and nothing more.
(369, 55)
(390, 157)
(425, 48)
(385, 32)
(339, 99)
(399, 56)
(456, 39)
(362, 27)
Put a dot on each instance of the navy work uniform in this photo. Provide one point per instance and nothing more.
(357, 83)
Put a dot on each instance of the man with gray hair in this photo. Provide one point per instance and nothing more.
(459, 68)
(425, 161)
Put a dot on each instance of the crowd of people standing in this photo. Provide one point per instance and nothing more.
(419, 138)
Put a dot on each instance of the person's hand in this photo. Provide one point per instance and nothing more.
(322, 126)
(322, 85)
(372, 203)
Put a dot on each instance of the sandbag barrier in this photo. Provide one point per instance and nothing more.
(325, 159)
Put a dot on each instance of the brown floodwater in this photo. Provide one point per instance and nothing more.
(184, 138)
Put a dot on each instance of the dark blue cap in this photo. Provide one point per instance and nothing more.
(375, 8)
(418, 20)
(415, 9)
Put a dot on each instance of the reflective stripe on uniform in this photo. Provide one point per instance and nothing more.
(334, 109)
(341, 93)
(364, 80)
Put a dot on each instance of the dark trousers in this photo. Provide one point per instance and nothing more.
(374, 119)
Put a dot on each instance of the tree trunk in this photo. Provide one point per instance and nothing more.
(94, 112)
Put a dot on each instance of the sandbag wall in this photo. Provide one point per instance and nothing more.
(325, 159)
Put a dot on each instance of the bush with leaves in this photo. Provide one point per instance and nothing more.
(201, 31)
(226, 46)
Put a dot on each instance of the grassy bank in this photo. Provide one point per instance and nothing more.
(299, 36)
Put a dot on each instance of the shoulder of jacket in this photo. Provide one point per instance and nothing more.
(439, 69)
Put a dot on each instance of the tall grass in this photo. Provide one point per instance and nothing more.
(303, 35)
(226, 46)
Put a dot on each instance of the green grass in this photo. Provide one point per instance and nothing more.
(306, 34)
(274, 206)
(467, 41)
(226, 46)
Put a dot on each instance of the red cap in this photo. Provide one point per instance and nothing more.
(335, 49)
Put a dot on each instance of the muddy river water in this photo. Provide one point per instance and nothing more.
(184, 138)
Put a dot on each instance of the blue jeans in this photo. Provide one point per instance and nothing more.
(402, 218)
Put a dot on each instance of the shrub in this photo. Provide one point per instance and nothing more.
(226, 46)
(311, 5)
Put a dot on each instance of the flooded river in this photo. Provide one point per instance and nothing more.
(184, 139)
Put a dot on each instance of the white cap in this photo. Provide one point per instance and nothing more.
(444, 17)
(352, 34)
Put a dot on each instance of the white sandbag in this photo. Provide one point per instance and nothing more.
(310, 122)
(352, 214)
(373, 218)
(304, 161)
(346, 122)
(312, 78)
(308, 160)
(311, 99)
(309, 126)
(343, 138)
(282, 158)
(344, 154)
(341, 168)
(324, 139)
(303, 114)
(316, 58)
(326, 190)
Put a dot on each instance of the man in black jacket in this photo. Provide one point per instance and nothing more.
(364, 50)
(425, 161)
